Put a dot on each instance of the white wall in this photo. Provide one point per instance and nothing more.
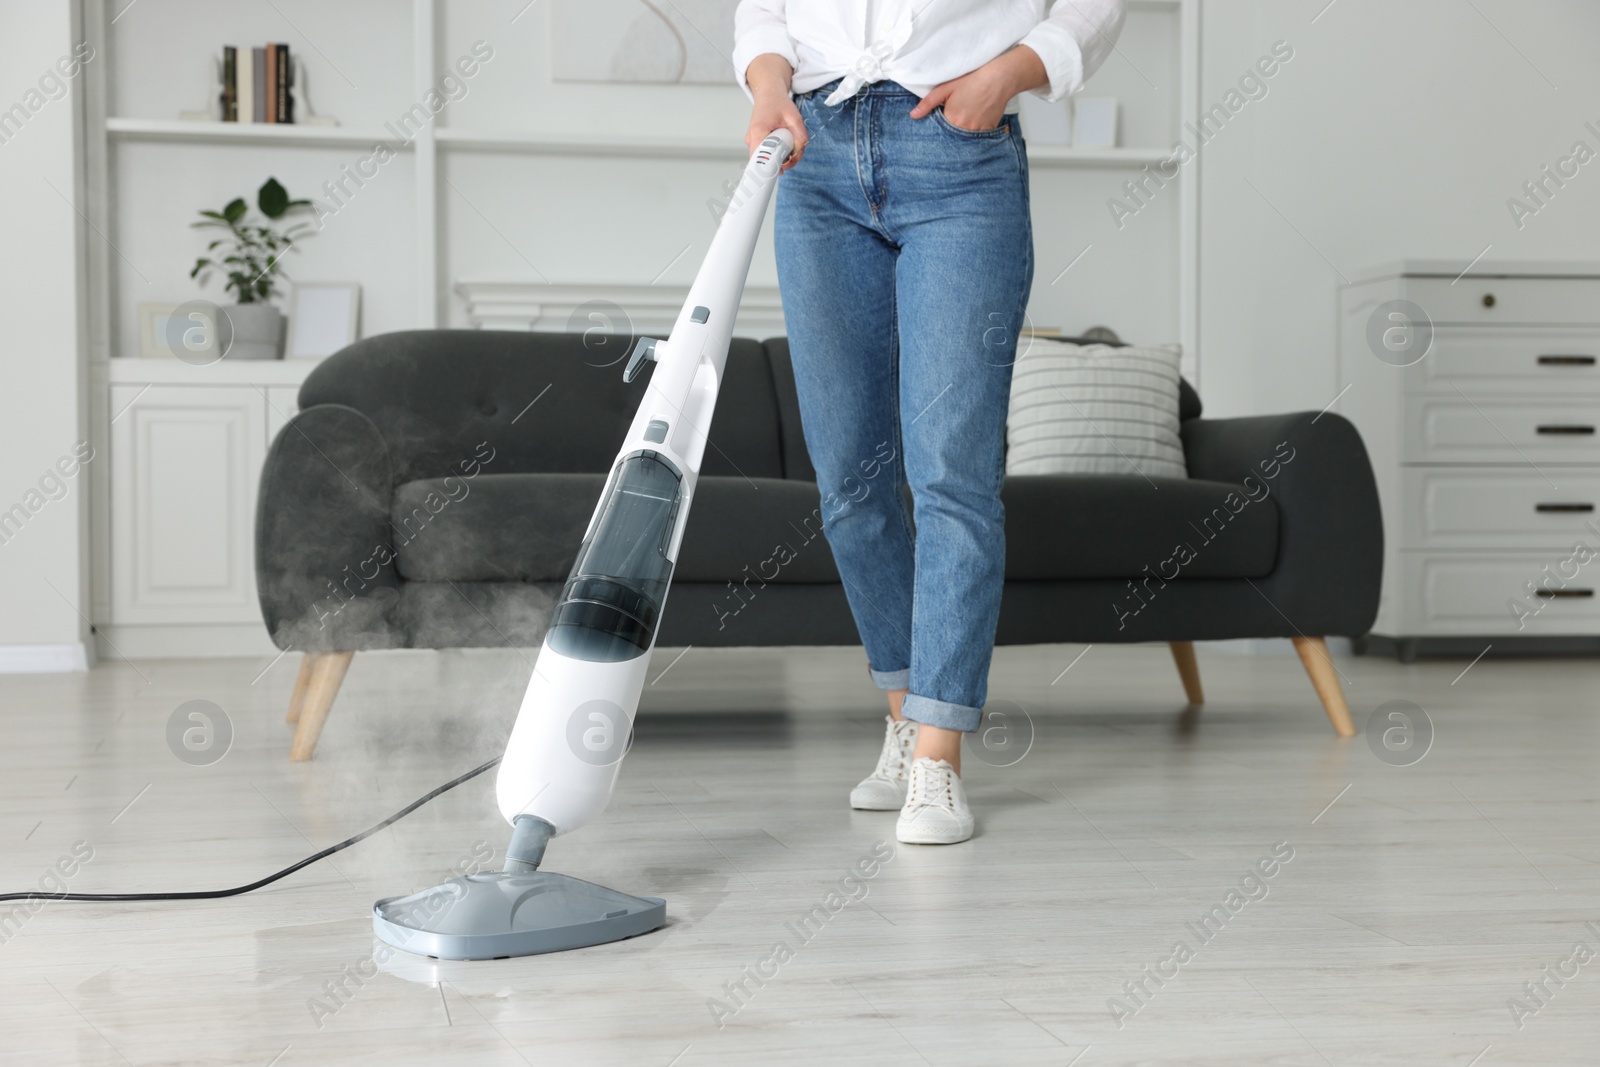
(41, 398)
(1398, 130)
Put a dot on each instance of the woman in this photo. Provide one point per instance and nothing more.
(905, 257)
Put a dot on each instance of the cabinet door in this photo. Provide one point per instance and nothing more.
(1519, 433)
(1501, 593)
(1495, 361)
(283, 404)
(185, 464)
(1493, 301)
(1496, 508)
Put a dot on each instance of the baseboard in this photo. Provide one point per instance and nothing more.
(1268, 646)
(44, 659)
(1502, 646)
(218, 641)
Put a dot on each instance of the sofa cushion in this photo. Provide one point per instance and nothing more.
(1095, 409)
(535, 401)
(528, 527)
(1114, 525)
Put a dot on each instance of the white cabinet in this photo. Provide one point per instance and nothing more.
(187, 446)
(1486, 449)
(184, 462)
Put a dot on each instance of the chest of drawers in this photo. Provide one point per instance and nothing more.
(1478, 396)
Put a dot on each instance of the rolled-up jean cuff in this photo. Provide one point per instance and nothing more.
(941, 713)
(900, 679)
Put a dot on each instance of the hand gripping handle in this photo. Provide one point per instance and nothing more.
(774, 149)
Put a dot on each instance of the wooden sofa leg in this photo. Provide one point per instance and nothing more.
(302, 681)
(1188, 670)
(1325, 680)
(326, 675)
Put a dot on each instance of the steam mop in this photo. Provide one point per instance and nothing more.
(577, 716)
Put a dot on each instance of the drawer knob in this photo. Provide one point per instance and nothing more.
(1582, 508)
(1564, 594)
(1566, 361)
(1558, 428)
(1488, 300)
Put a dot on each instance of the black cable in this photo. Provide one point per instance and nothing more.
(212, 894)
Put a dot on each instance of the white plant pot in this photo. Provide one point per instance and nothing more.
(257, 331)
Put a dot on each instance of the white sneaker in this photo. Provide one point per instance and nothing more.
(885, 788)
(936, 811)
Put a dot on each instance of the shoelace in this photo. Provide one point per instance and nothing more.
(895, 756)
(920, 773)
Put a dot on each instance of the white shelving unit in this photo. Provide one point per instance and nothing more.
(479, 203)
(174, 131)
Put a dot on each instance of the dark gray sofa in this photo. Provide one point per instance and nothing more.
(434, 487)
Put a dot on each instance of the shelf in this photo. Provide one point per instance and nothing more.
(582, 145)
(180, 131)
(1058, 155)
(701, 148)
(161, 370)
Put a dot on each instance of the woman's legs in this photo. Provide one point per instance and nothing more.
(905, 257)
(933, 742)
(837, 273)
(957, 205)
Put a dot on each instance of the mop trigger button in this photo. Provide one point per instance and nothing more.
(644, 348)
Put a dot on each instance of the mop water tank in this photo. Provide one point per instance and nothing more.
(613, 597)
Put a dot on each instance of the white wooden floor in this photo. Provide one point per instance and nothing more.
(1418, 901)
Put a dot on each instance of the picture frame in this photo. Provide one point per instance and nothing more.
(323, 318)
(157, 335)
(1044, 122)
(1094, 122)
(153, 329)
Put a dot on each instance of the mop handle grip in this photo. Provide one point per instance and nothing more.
(765, 164)
(777, 145)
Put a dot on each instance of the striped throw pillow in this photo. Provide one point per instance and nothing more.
(1095, 409)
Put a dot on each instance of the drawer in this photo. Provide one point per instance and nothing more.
(1456, 429)
(1472, 593)
(1503, 360)
(1495, 508)
(1507, 301)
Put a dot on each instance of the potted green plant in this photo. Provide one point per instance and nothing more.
(251, 255)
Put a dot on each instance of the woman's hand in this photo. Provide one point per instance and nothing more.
(769, 77)
(977, 100)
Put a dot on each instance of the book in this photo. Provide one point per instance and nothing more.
(269, 81)
(284, 82)
(245, 96)
(258, 85)
(230, 83)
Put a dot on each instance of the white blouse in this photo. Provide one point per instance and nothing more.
(921, 43)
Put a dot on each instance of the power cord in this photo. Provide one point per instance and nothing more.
(212, 894)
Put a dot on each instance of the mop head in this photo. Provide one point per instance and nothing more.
(496, 914)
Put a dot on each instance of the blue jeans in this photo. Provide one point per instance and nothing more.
(905, 258)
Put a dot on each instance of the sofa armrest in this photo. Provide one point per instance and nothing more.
(1330, 533)
(325, 568)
